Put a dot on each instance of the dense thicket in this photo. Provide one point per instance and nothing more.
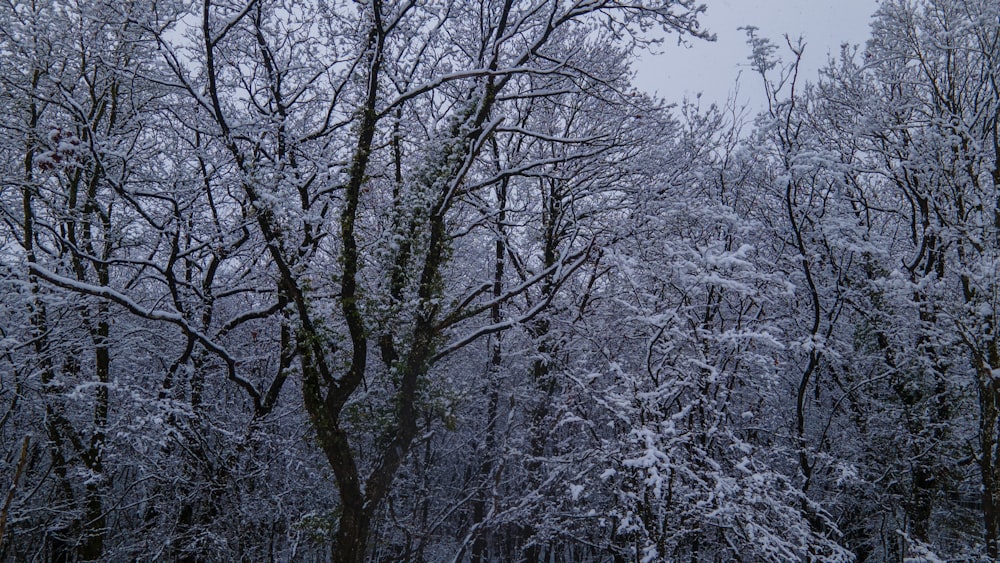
(430, 281)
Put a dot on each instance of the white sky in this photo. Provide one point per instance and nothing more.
(712, 68)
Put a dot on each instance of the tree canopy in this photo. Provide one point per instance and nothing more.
(430, 280)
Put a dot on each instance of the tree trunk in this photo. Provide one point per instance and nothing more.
(989, 405)
(352, 535)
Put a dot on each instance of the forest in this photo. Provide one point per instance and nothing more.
(432, 281)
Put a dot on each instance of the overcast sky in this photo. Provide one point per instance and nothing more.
(712, 68)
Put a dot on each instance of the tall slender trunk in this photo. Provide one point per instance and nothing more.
(480, 544)
(989, 465)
